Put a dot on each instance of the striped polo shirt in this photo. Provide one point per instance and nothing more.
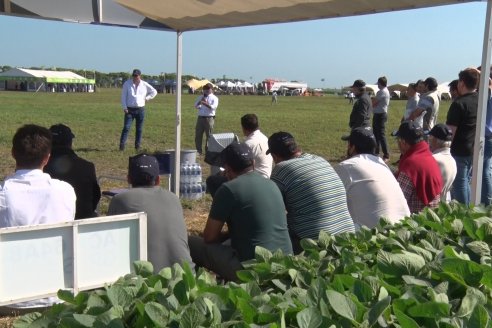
(314, 196)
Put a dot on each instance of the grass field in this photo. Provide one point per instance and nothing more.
(96, 120)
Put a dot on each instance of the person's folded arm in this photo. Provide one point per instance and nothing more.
(213, 231)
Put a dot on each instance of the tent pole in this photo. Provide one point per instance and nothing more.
(177, 148)
(483, 93)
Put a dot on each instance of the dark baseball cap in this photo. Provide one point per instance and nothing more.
(409, 131)
(361, 137)
(442, 132)
(61, 134)
(282, 143)
(358, 84)
(143, 167)
(238, 156)
(136, 72)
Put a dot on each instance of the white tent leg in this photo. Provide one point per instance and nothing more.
(177, 148)
(476, 190)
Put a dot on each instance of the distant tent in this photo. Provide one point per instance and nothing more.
(197, 84)
(33, 80)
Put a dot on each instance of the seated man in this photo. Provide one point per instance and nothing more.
(258, 143)
(167, 238)
(313, 193)
(440, 142)
(31, 197)
(418, 172)
(372, 190)
(65, 165)
(253, 209)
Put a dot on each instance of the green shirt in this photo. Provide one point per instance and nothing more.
(254, 211)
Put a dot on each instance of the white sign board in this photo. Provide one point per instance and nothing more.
(37, 261)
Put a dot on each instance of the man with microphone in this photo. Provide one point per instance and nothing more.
(206, 105)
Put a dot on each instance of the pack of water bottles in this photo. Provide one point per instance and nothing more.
(191, 186)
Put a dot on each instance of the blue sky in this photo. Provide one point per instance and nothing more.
(404, 46)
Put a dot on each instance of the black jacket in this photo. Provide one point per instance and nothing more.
(361, 112)
(65, 165)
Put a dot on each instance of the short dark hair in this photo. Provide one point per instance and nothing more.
(430, 83)
(470, 77)
(383, 81)
(30, 145)
(282, 144)
(412, 86)
(453, 85)
(208, 86)
(250, 122)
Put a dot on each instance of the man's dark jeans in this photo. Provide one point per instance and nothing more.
(133, 114)
(379, 127)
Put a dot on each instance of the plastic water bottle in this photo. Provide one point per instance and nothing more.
(182, 172)
(198, 191)
(193, 172)
(182, 190)
(198, 173)
(186, 193)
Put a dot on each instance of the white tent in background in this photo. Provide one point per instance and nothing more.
(191, 15)
(443, 90)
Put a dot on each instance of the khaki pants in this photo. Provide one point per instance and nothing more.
(219, 258)
(203, 125)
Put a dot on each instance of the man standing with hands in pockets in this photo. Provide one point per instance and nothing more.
(133, 96)
(206, 105)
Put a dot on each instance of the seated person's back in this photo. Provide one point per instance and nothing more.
(64, 164)
(31, 197)
(167, 238)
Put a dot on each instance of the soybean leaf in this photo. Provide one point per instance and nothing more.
(479, 247)
(66, 296)
(248, 311)
(487, 279)
(469, 302)
(84, 319)
(429, 310)
(191, 318)
(342, 305)
(143, 268)
(309, 318)
(377, 310)
(32, 320)
(118, 295)
(479, 318)
(115, 312)
(399, 264)
(363, 291)
(469, 270)
(188, 276)
(404, 320)
(181, 292)
(262, 254)
(157, 313)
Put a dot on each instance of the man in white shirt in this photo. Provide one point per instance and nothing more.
(380, 104)
(440, 144)
(207, 105)
(258, 143)
(133, 96)
(31, 197)
(372, 189)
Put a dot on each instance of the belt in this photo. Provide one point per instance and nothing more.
(134, 108)
(206, 116)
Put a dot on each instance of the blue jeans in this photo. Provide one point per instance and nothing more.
(461, 185)
(133, 114)
(487, 172)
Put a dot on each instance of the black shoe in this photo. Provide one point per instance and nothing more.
(122, 147)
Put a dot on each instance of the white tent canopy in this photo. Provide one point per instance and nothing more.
(189, 15)
(48, 76)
